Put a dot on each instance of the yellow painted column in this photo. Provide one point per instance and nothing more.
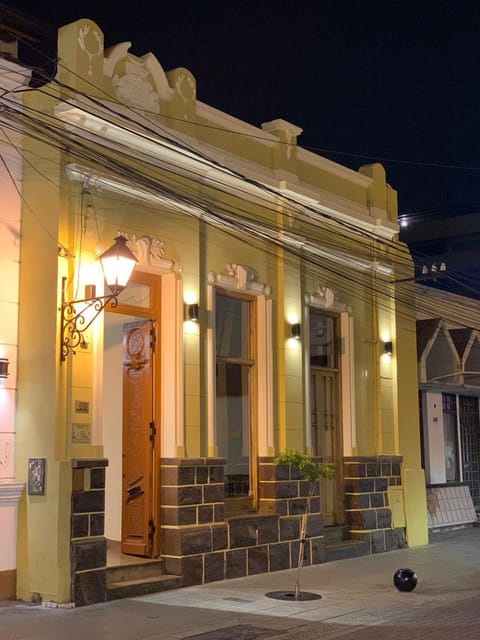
(413, 476)
(43, 563)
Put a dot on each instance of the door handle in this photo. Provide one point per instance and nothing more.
(134, 491)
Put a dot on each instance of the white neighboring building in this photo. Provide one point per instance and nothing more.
(12, 77)
(448, 348)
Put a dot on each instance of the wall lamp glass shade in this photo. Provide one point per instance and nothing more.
(388, 348)
(118, 263)
(296, 331)
(4, 362)
(191, 312)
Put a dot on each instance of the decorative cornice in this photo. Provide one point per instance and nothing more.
(98, 180)
(10, 493)
(188, 161)
(230, 124)
(332, 167)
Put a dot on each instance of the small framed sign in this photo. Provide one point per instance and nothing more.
(36, 476)
(82, 406)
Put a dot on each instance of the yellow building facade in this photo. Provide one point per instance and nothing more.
(261, 315)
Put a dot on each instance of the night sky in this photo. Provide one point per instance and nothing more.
(397, 82)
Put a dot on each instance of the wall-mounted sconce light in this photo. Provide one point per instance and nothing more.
(296, 331)
(4, 362)
(191, 312)
(388, 348)
(118, 263)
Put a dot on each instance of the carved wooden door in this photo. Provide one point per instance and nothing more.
(138, 438)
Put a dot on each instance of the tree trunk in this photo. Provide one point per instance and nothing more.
(303, 535)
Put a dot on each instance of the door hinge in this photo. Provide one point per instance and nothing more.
(153, 339)
(151, 528)
(153, 431)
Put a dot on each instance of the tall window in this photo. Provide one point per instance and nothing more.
(234, 382)
(325, 421)
(324, 372)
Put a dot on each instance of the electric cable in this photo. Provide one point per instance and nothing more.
(277, 195)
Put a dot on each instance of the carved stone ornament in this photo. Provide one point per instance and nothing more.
(239, 277)
(326, 298)
(135, 86)
(91, 43)
(185, 87)
(149, 253)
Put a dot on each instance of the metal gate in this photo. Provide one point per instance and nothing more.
(470, 439)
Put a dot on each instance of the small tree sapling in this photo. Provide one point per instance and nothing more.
(312, 472)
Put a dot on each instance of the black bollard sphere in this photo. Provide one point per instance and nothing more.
(405, 579)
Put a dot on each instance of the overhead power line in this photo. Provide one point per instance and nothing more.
(235, 220)
(456, 166)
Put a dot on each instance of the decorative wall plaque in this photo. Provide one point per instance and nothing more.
(36, 476)
(81, 433)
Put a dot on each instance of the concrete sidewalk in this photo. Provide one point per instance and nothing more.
(357, 594)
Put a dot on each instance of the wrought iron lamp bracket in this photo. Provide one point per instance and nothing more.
(75, 323)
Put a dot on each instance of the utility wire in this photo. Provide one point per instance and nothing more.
(264, 138)
(236, 227)
(233, 230)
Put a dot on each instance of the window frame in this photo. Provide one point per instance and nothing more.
(250, 502)
(334, 371)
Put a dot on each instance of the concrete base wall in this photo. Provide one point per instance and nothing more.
(88, 546)
(368, 514)
(202, 545)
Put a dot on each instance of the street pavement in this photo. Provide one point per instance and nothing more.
(358, 601)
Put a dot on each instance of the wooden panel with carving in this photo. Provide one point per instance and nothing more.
(137, 438)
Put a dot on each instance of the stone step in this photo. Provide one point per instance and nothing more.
(345, 549)
(133, 588)
(135, 570)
